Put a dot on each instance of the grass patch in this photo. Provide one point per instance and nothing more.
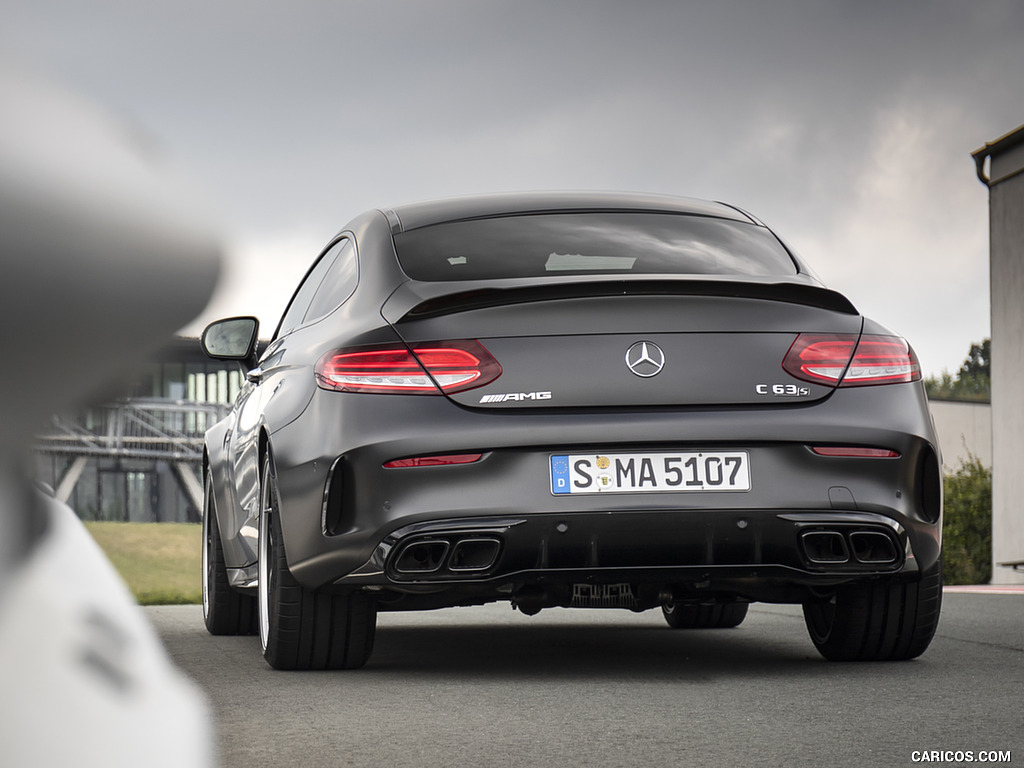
(161, 562)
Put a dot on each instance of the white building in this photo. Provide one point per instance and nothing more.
(965, 432)
(1000, 166)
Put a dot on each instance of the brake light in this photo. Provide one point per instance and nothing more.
(846, 360)
(435, 461)
(423, 369)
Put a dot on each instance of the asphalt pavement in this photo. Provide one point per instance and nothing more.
(488, 686)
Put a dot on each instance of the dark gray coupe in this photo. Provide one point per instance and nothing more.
(573, 400)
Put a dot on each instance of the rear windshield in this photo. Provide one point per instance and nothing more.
(541, 245)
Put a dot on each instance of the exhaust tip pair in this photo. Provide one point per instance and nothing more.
(833, 547)
(448, 555)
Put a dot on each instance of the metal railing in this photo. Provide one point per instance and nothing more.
(171, 430)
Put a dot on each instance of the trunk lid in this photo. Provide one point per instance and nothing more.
(624, 345)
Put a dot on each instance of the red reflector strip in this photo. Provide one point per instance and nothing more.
(434, 461)
(851, 452)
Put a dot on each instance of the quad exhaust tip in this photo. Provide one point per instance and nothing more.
(474, 554)
(422, 557)
(872, 547)
(866, 547)
(825, 547)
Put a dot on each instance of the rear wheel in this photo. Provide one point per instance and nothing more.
(226, 611)
(877, 621)
(710, 616)
(302, 628)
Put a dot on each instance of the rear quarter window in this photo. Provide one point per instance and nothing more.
(338, 284)
(547, 245)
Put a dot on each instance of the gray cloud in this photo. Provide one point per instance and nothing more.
(848, 126)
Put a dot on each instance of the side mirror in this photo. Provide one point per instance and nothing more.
(231, 339)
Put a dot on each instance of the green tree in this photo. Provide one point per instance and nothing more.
(972, 382)
(967, 525)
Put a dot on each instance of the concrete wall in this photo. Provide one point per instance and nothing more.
(965, 430)
(1006, 233)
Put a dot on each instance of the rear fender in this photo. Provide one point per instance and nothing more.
(230, 515)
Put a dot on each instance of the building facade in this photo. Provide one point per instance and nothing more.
(139, 459)
(965, 432)
(1000, 166)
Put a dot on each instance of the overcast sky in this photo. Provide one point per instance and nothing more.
(845, 125)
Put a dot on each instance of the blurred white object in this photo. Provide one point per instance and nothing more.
(84, 679)
(105, 253)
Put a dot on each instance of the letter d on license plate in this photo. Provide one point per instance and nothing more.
(650, 472)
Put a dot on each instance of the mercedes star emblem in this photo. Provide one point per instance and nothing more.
(645, 359)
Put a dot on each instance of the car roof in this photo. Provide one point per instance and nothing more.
(415, 215)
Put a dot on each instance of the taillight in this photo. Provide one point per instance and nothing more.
(846, 360)
(882, 360)
(422, 369)
(819, 359)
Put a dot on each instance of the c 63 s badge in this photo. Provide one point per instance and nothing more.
(782, 390)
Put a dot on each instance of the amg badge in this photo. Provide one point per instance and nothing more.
(515, 396)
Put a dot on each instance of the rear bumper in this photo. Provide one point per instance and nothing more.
(806, 522)
(755, 555)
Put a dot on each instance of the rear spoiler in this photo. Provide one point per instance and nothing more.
(411, 304)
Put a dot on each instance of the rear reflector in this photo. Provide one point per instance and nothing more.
(852, 452)
(846, 360)
(434, 461)
(423, 369)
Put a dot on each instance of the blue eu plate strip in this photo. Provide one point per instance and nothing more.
(560, 474)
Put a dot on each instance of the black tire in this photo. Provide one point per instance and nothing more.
(877, 621)
(302, 628)
(710, 616)
(226, 611)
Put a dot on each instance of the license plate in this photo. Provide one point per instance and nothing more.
(650, 472)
